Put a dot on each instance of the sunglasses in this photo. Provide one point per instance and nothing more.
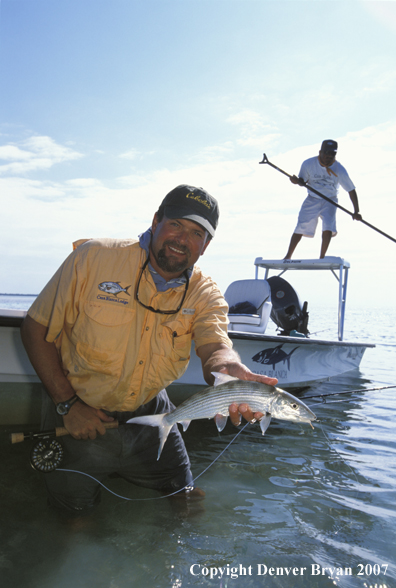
(157, 310)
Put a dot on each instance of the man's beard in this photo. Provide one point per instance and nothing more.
(170, 265)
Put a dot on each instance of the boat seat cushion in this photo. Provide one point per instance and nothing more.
(247, 319)
(243, 308)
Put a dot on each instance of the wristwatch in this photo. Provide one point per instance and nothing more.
(63, 408)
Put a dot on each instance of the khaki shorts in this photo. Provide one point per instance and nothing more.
(311, 211)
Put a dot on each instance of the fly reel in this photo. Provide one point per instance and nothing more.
(46, 455)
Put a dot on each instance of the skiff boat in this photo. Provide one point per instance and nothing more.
(297, 359)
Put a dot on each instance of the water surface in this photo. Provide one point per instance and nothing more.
(319, 503)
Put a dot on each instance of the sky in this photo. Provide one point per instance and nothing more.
(107, 106)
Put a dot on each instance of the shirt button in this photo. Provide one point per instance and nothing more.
(132, 393)
(140, 362)
(147, 328)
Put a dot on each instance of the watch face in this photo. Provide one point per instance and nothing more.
(62, 408)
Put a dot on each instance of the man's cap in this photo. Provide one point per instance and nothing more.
(329, 145)
(194, 204)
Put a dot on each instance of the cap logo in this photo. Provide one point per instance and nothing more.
(198, 198)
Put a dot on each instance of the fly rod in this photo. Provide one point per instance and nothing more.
(265, 160)
(57, 432)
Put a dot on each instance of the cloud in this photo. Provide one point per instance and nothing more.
(131, 154)
(384, 12)
(254, 129)
(258, 211)
(84, 183)
(13, 153)
(34, 154)
(18, 190)
(215, 152)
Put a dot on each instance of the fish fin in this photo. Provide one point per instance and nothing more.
(220, 421)
(185, 424)
(265, 422)
(155, 420)
(222, 378)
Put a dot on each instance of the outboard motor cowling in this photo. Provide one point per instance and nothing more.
(287, 312)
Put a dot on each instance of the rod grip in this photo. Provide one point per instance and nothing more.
(58, 432)
(61, 431)
(17, 437)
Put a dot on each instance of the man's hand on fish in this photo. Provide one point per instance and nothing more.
(239, 370)
(230, 395)
(220, 358)
(243, 410)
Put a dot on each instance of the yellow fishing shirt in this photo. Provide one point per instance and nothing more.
(116, 354)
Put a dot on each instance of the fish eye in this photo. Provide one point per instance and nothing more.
(294, 406)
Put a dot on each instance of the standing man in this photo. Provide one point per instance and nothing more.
(325, 175)
(111, 330)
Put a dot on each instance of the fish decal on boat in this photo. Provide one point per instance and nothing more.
(213, 402)
(113, 288)
(273, 356)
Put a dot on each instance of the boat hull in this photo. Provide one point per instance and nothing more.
(295, 362)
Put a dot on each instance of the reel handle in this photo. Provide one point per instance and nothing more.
(57, 432)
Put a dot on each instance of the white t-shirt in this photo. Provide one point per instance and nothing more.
(325, 180)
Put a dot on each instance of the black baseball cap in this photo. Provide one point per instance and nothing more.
(329, 145)
(194, 204)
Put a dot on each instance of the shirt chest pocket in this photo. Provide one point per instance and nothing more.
(176, 339)
(103, 327)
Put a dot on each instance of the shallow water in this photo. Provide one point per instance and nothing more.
(295, 498)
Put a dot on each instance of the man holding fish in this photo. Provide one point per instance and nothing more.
(111, 330)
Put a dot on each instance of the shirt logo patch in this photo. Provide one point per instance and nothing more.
(112, 290)
(188, 311)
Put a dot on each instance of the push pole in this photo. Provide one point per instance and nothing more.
(265, 160)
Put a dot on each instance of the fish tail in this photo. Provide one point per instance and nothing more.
(126, 289)
(155, 420)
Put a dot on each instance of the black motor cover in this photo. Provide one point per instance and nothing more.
(287, 312)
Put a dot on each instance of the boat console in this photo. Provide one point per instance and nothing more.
(333, 264)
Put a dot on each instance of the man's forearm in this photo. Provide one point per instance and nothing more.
(218, 357)
(354, 199)
(82, 421)
(219, 360)
(45, 360)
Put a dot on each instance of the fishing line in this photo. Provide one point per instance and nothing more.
(346, 464)
(347, 392)
(167, 495)
(351, 470)
(46, 455)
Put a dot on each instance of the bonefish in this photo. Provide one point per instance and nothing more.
(215, 400)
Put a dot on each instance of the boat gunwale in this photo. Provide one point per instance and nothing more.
(294, 340)
(11, 321)
(16, 321)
